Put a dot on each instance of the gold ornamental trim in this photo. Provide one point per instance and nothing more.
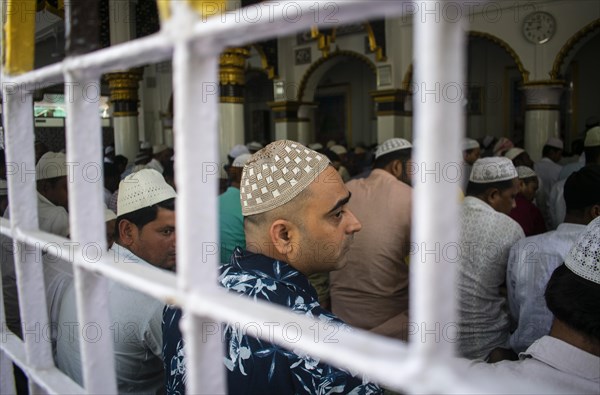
(394, 113)
(231, 100)
(121, 114)
(542, 107)
(264, 62)
(408, 76)
(570, 45)
(277, 106)
(232, 66)
(507, 48)
(124, 85)
(545, 84)
(389, 95)
(373, 46)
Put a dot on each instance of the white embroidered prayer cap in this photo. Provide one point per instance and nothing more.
(592, 137)
(238, 150)
(555, 142)
(278, 173)
(391, 145)
(584, 257)
(51, 165)
(338, 149)
(525, 172)
(142, 189)
(513, 153)
(469, 144)
(241, 160)
(3, 188)
(492, 169)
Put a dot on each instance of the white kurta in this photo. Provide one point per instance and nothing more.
(549, 173)
(530, 264)
(486, 238)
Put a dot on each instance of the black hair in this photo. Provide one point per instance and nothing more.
(144, 216)
(477, 189)
(332, 156)
(581, 188)
(575, 301)
(402, 155)
(592, 154)
(548, 150)
(49, 181)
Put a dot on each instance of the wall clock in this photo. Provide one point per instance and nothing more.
(539, 27)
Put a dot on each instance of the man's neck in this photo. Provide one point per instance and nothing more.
(563, 332)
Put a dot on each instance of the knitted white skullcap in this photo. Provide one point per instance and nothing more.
(51, 165)
(254, 146)
(470, 144)
(145, 145)
(554, 142)
(584, 257)
(241, 160)
(315, 146)
(278, 173)
(238, 150)
(338, 149)
(493, 169)
(592, 137)
(391, 145)
(142, 189)
(3, 188)
(525, 172)
(513, 153)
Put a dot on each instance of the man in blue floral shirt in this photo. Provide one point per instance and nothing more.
(296, 224)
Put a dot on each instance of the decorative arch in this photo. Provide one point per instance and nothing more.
(570, 45)
(333, 59)
(268, 69)
(507, 48)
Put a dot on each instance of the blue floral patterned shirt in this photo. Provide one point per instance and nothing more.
(255, 366)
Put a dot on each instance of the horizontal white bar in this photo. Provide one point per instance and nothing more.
(51, 380)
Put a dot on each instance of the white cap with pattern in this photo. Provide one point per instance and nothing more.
(555, 142)
(241, 160)
(238, 150)
(391, 145)
(278, 173)
(51, 165)
(492, 169)
(525, 172)
(469, 144)
(592, 137)
(338, 149)
(142, 189)
(513, 153)
(584, 257)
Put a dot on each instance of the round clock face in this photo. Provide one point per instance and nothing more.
(539, 27)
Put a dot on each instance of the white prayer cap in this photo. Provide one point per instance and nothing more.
(3, 188)
(109, 215)
(592, 137)
(584, 257)
(339, 149)
(51, 165)
(331, 143)
(470, 144)
(554, 142)
(315, 146)
(513, 153)
(525, 172)
(241, 160)
(391, 145)
(502, 146)
(492, 169)
(142, 189)
(108, 150)
(254, 146)
(278, 173)
(145, 145)
(158, 148)
(238, 150)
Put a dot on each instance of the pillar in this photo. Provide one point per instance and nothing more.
(123, 88)
(288, 124)
(394, 114)
(306, 123)
(542, 114)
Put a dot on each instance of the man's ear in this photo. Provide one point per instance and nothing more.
(282, 236)
(397, 169)
(595, 211)
(127, 232)
(492, 195)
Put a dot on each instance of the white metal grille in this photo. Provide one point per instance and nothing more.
(425, 365)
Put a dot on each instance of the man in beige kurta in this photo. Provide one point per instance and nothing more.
(371, 291)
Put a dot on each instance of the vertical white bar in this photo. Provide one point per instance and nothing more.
(439, 48)
(196, 88)
(7, 384)
(84, 157)
(18, 117)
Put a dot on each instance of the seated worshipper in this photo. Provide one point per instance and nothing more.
(145, 235)
(591, 148)
(371, 290)
(471, 152)
(533, 259)
(487, 233)
(548, 170)
(519, 157)
(294, 203)
(568, 358)
(161, 154)
(231, 221)
(525, 212)
(502, 145)
(342, 153)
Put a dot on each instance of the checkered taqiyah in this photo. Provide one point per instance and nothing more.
(278, 173)
(392, 145)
